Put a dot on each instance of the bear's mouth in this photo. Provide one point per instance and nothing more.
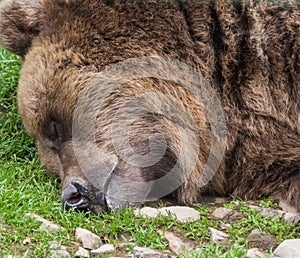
(77, 198)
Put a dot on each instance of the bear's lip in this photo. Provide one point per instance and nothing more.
(79, 202)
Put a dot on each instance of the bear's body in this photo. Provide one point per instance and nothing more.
(248, 52)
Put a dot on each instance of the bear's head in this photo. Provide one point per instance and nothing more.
(114, 125)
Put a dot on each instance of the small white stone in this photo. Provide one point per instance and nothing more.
(225, 226)
(287, 207)
(88, 239)
(55, 245)
(143, 252)
(288, 217)
(182, 213)
(255, 253)
(221, 213)
(217, 236)
(291, 218)
(146, 212)
(46, 224)
(81, 252)
(267, 212)
(104, 249)
(288, 249)
(59, 254)
(175, 243)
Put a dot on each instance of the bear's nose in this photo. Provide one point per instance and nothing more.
(75, 195)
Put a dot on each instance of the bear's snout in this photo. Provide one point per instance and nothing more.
(76, 195)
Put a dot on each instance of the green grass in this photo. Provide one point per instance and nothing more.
(26, 187)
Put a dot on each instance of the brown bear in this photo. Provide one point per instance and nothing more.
(130, 101)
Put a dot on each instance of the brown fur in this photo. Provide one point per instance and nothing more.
(249, 52)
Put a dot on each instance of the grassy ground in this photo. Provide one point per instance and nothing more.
(26, 187)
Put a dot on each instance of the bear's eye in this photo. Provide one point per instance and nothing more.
(53, 131)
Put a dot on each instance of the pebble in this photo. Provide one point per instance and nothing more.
(143, 252)
(225, 226)
(291, 218)
(147, 212)
(217, 236)
(58, 250)
(288, 249)
(104, 249)
(183, 214)
(222, 213)
(175, 243)
(59, 254)
(255, 253)
(287, 207)
(88, 239)
(81, 252)
(261, 239)
(272, 213)
(55, 245)
(46, 224)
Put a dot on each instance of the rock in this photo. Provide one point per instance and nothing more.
(255, 253)
(287, 208)
(217, 236)
(143, 252)
(225, 226)
(267, 211)
(288, 249)
(146, 212)
(261, 239)
(46, 224)
(272, 213)
(59, 254)
(81, 252)
(182, 213)
(104, 249)
(222, 213)
(55, 245)
(235, 217)
(291, 218)
(88, 239)
(175, 243)
(58, 250)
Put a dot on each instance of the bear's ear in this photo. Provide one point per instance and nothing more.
(20, 22)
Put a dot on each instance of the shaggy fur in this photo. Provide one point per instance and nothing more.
(249, 52)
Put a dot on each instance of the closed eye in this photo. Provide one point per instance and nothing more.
(53, 132)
